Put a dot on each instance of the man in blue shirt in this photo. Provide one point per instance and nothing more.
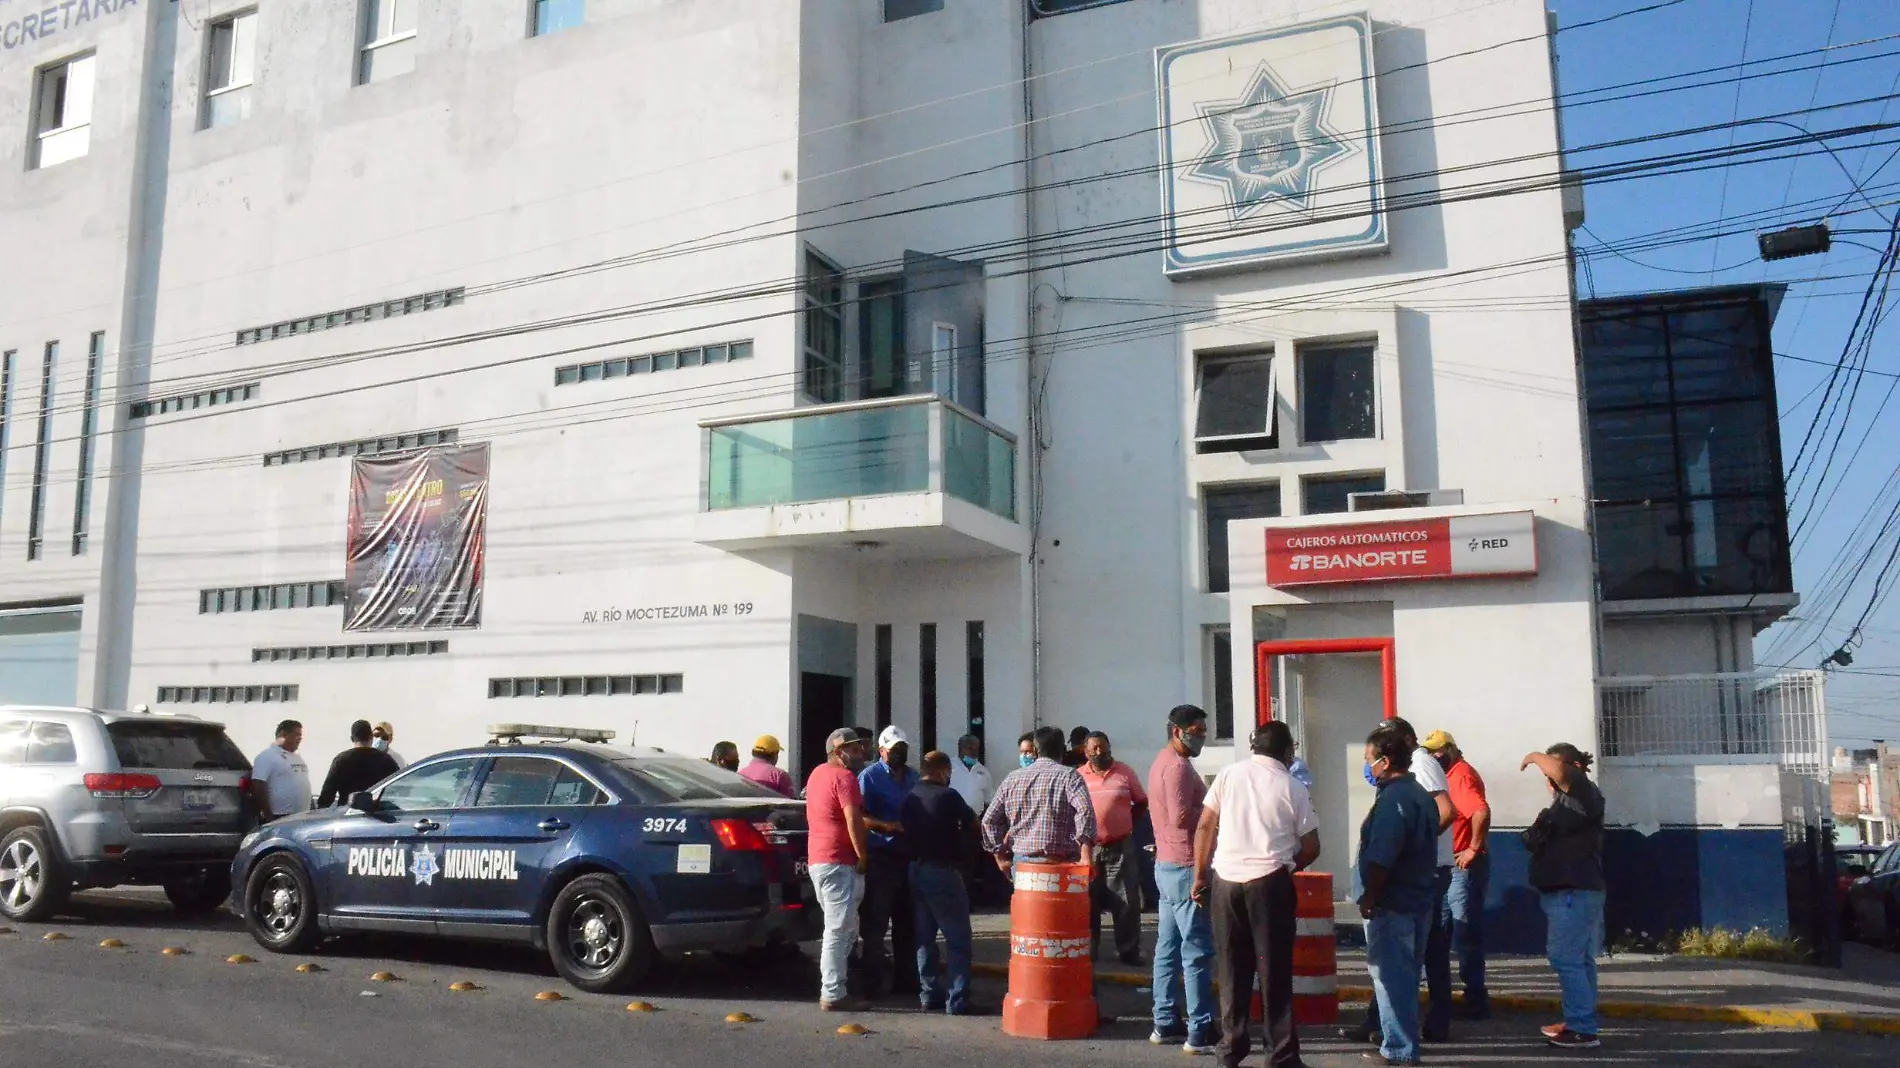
(887, 900)
(1398, 858)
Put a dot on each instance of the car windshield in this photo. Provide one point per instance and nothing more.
(175, 746)
(682, 779)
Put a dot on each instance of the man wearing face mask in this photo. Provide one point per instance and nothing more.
(381, 737)
(1184, 937)
(1025, 750)
(836, 851)
(1116, 795)
(969, 777)
(887, 902)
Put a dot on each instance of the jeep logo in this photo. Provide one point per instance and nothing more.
(204, 777)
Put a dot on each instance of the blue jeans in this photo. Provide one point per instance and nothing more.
(1184, 954)
(1465, 903)
(1395, 944)
(942, 904)
(1575, 930)
(1435, 958)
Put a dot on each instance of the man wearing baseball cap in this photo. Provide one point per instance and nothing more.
(1471, 869)
(764, 770)
(887, 902)
(836, 850)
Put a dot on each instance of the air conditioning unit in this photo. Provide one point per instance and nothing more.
(1385, 500)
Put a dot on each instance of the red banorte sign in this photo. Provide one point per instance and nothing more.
(1468, 546)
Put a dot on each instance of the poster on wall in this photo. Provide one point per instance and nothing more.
(1268, 147)
(417, 541)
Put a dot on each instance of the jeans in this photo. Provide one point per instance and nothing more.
(1395, 943)
(942, 904)
(887, 906)
(1435, 959)
(1575, 931)
(1465, 903)
(1184, 953)
(840, 888)
(1115, 886)
(1254, 929)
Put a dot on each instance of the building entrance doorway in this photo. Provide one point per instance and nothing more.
(1332, 692)
(822, 703)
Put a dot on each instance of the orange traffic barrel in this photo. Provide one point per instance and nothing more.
(1051, 977)
(1315, 953)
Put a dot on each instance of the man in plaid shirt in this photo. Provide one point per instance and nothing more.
(1041, 812)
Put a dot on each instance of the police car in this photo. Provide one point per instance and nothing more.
(608, 858)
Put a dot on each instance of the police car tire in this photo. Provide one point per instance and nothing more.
(636, 952)
(55, 885)
(304, 936)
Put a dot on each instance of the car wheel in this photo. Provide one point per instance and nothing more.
(200, 893)
(596, 936)
(280, 905)
(33, 879)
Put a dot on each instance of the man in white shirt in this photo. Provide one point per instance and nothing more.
(280, 781)
(969, 777)
(1257, 828)
(1437, 1023)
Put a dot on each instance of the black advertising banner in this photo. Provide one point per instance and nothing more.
(418, 526)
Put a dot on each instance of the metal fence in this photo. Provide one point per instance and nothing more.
(1726, 718)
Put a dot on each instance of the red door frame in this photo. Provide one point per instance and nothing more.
(1264, 651)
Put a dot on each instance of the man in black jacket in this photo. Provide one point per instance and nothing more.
(359, 767)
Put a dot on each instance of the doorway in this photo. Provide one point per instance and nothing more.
(822, 703)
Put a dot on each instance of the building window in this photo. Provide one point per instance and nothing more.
(881, 688)
(1234, 404)
(271, 598)
(1220, 680)
(226, 694)
(425, 439)
(229, 65)
(88, 421)
(42, 449)
(1337, 395)
(389, 40)
(1319, 496)
(823, 298)
(1046, 8)
(927, 687)
(349, 652)
(881, 371)
(184, 402)
(553, 16)
(943, 361)
(973, 655)
(895, 10)
(586, 686)
(365, 313)
(6, 416)
(622, 366)
(1222, 504)
(62, 124)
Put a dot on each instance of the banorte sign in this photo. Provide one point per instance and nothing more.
(1466, 546)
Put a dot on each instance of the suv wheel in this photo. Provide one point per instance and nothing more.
(33, 880)
(596, 936)
(280, 905)
(201, 892)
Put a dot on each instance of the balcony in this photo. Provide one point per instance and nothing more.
(914, 476)
(1736, 718)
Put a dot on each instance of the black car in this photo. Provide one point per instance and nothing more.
(1872, 912)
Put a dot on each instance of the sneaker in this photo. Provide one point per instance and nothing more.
(1158, 1037)
(1199, 1045)
(1568, 1039)
(844, 1004)
(1552, 1030)
(1358, 1034)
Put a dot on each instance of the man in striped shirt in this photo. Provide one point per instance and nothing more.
(1041, 812)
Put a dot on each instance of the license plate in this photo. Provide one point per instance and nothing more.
(802, 868)
(200, 800)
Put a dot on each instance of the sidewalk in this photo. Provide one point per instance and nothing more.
(1862, 996)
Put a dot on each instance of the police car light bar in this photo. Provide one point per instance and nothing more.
(514, 732)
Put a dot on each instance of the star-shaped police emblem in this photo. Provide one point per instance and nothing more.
(422, 865)
(1268, 145)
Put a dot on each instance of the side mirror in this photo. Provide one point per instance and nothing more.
(363, 801)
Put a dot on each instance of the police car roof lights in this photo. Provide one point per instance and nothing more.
(513, 733)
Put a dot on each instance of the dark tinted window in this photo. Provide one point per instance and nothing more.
(1319, 496)
(1219, 506)
(1234, 405)
(13, 741)
(691, 780)
(52, 744)
(175, 746)
(1336, 394)
(527, 781)
(435, 786)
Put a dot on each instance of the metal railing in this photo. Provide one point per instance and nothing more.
(1737, 717)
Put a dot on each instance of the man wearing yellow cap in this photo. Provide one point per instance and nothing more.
(764, 770)
(1471, 871)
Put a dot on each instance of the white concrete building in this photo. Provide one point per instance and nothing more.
(835, 361)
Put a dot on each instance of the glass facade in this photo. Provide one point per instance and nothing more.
(1685, 452)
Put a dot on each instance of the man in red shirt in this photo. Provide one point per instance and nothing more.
(838, 852)
(1184, 933)
(1115, 884)
(1471, 869)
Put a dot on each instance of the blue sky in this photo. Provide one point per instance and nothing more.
(1825, 291)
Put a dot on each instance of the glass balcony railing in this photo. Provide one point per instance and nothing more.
(867, 449)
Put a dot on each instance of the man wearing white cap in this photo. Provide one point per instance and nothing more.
(887, 902)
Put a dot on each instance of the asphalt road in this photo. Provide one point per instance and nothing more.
(74, 1003)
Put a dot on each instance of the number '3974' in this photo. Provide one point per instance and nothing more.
(663, 825)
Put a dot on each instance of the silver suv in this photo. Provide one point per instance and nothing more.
(94, 799)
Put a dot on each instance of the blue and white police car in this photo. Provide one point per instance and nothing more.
(608, 858)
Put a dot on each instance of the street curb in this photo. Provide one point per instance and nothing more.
(1779, 1019)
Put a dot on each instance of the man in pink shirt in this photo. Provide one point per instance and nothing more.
(1116, 795)
(837, 853)
(764, 768)
(1184, 934)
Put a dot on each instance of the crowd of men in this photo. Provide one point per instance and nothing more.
(890, 853)
(280, 780)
